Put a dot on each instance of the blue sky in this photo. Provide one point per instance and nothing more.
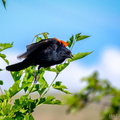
(62, 18)
(23, 19)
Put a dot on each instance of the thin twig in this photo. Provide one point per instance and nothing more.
(35, 37)
(50, 85)
(1, 90)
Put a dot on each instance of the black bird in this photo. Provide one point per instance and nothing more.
(44, 53)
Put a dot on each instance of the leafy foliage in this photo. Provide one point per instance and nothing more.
(3, 47)
(24, 80)
(94, 91)
(58, 85)
(75, 38)
(79, 56)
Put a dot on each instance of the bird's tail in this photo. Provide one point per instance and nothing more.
(19, 66)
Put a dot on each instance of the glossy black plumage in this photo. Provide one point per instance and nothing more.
(45, 53)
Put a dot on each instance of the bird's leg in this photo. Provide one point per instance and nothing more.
(37, 76)
(39, 72)
(39, 67)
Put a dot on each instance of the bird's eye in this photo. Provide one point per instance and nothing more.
(68, 52)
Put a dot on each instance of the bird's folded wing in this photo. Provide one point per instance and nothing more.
(32, 48)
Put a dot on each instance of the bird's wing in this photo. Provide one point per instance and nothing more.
(32, 48)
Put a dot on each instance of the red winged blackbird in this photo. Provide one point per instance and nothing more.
(45, 53)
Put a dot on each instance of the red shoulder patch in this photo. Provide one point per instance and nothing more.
(61, 42)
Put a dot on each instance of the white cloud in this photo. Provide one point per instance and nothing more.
(108, 67)
(111, 59)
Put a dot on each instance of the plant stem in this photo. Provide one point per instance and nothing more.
(30, 89)
(50, 85)
(35, 37)
(1, 90)
(74, 41)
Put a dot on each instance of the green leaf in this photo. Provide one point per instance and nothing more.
(36, 87)
(39, 101)
(71, 41)
(51, 69)
(78, 56)
(6, 107)
(26, 83)
(45, 35)
(76, 38)
(23, 98)
(17, 75)
(15, 88)
(1, 82)
(51, 100)
(4, 3)
(22, 110)
(82, 37)
(61, 67)
(58, 85)
(79, 37)
(38, 39)
(3, 56)
(4, 46)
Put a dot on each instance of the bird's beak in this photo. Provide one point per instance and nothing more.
(71, 56)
